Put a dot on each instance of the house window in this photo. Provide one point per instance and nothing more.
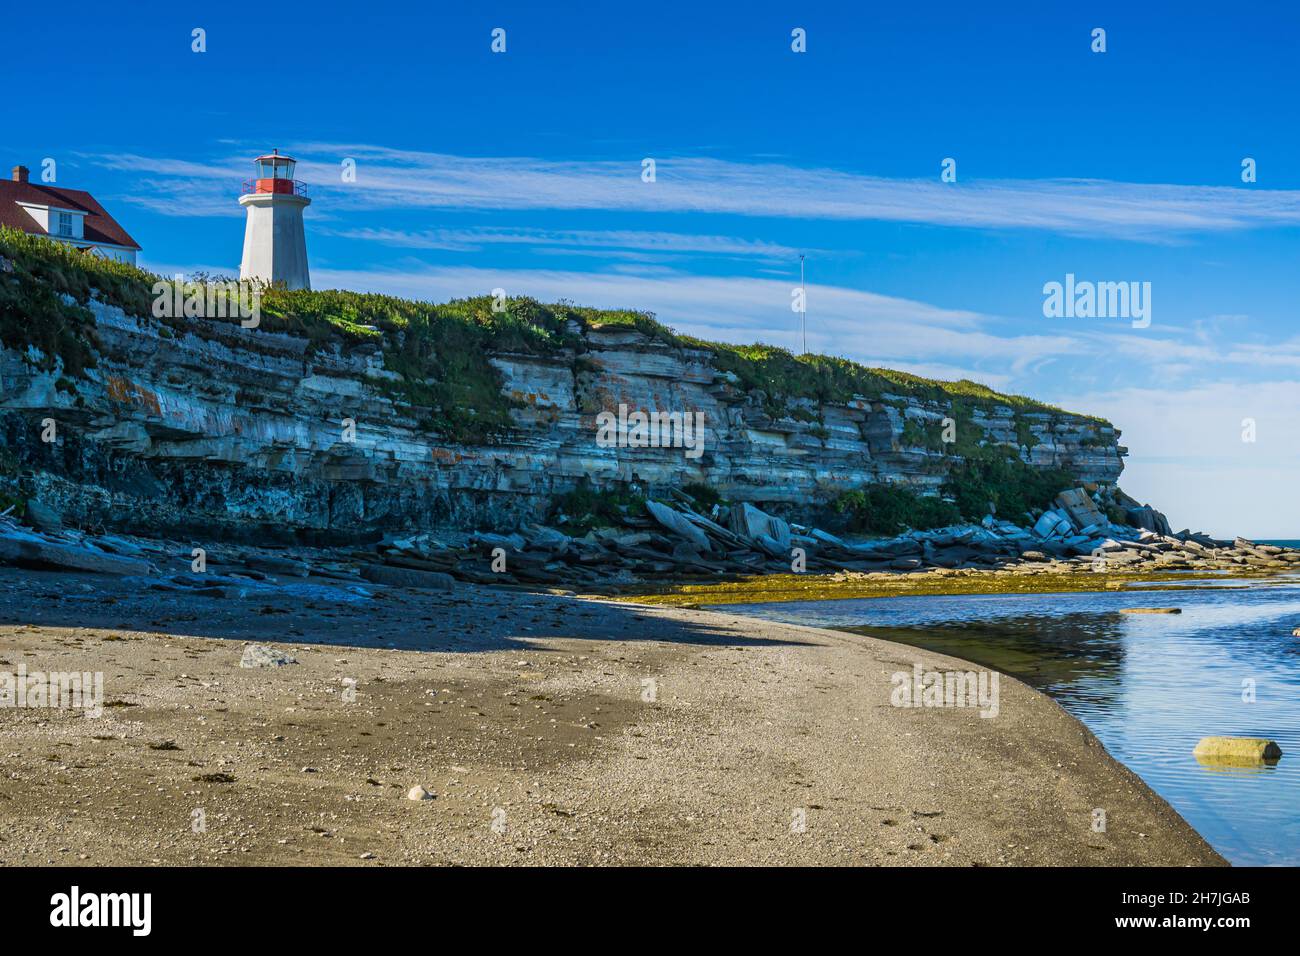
(65, 224)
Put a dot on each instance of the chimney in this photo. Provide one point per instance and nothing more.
(20, 174)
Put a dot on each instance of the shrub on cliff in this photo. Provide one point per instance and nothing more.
(585, 507)
(1011, 486)
(892, 509)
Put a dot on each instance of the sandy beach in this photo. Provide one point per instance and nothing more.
(549, 729)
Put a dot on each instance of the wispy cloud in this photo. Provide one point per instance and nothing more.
(666, 243)
(404, 179)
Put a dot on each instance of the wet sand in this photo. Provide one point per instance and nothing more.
(551, 730)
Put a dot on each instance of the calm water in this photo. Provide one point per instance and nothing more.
(1148, 685)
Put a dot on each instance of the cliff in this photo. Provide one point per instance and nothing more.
(342, 416)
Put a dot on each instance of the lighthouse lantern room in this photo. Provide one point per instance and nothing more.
(275, 246)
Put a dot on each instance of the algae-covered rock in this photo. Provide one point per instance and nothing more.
(1237, 751)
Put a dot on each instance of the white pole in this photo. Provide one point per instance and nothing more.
(803, 313)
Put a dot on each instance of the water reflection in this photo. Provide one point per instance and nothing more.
(1149, 686)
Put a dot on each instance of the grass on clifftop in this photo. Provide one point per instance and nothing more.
(439, 349)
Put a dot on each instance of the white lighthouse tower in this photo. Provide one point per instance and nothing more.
(275, 248)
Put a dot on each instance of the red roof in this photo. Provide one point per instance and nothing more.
(99, 225)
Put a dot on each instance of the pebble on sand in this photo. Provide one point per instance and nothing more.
(419, 793)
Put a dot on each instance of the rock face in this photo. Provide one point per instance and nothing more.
(243, 433)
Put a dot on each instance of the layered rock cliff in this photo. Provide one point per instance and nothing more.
(222, 430)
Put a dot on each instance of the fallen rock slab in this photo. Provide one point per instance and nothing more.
(678, 524)
(749, 522)
(407, 577)
(281, 566)
(29, 550)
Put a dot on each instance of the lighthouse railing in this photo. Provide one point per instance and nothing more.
(285, 186)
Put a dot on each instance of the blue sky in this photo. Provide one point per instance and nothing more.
(523, 170)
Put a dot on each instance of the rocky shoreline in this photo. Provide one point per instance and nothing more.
(666, 543)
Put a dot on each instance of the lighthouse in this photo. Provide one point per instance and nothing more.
(275, 248)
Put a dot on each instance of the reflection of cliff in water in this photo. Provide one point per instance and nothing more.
(1073, 656)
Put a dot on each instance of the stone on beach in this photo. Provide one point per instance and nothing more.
(259, 655)
(1237, 750)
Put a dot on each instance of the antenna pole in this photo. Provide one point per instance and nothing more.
(803, 312)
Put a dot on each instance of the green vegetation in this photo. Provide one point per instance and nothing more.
(1011, 486)
(892, 509)
(704, 496)
(988, 475)
(440, 351)
(928, 435)
(11, 500)
(1025, 433)
(585, 508)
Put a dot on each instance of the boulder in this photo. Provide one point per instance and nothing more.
(259, 655)
(510, 542)
(42, 517)
(1237, 750)
(548, 539)
(1149, 519)
(1052, 524)
(620, 539)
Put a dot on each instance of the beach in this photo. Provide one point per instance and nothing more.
(549, 729)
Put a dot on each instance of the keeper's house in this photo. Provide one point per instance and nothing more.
(64, 215)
